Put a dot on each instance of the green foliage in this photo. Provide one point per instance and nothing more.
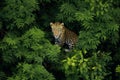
(33, 48)
(91, 68)
(24, 49)
(99, 6)
(118, 71)
(2, 76)
(18, 13)
(26, 52)
(118, 68)
(68, 11)
(31, 72)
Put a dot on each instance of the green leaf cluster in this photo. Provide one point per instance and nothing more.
(91, 68)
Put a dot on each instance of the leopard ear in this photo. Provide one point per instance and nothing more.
(62, 24)
(51, 23)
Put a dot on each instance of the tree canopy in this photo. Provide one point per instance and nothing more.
(27, 49)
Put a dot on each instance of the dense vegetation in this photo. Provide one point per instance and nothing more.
(27, 49)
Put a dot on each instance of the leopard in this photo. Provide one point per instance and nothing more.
(63, 35)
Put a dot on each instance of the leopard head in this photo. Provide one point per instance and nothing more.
(57, 29)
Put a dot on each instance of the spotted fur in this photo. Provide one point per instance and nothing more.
(63, 35)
